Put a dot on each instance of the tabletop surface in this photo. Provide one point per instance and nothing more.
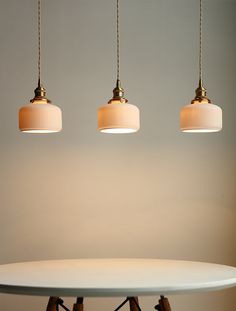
(113, 277)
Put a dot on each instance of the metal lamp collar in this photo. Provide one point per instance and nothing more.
(118, 93)
(40, 94)
(201, 94)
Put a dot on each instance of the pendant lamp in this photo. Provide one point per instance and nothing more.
(201, 116)
(40, 116)
(118, 116)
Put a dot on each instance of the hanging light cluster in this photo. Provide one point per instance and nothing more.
(40, 116)
(200, 116)
(118, 116)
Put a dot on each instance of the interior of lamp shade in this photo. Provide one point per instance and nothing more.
(118, 130)
(201, 130)
(39, 131)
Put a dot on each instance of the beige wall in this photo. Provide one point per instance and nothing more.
(157, 193)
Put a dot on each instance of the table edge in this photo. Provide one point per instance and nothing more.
(110, 292)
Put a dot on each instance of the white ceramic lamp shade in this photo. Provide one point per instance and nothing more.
(40, 117)
(201, 117)
(118, 117)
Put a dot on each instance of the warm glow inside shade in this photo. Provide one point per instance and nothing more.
(201, 117)
(40, 117)
(118, 117)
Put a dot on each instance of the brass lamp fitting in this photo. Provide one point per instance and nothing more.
(40, 94)
(201, 94)
(118, 93)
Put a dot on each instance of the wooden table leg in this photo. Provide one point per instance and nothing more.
(163, 305)
(79, 306)
(132, 305)
(52, 306)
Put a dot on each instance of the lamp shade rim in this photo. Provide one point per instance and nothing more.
(118, 104)
(201, 104)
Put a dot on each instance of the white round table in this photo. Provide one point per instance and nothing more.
(113, 277)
